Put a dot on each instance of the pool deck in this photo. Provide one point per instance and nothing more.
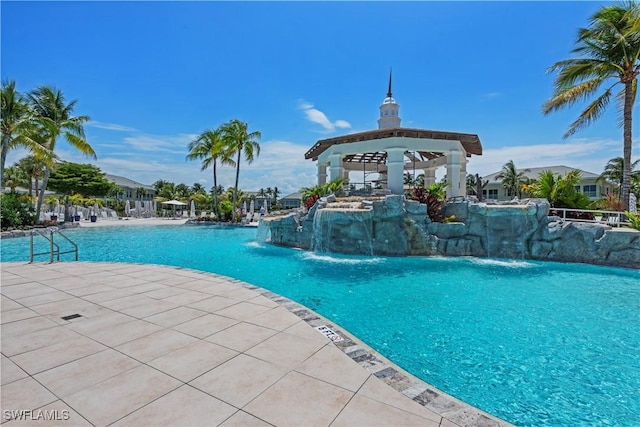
(163, 346)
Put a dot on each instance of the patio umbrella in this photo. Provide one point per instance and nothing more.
(633, 201)
(244, 208)
(127, 208)
(138, 208)
(193, 209)
(266, 208)
(251, 206)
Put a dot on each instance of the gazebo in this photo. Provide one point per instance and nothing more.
(391, 149)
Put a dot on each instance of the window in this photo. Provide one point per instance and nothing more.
(493, 194)
(589, 190)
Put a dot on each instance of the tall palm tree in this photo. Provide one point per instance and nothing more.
(607, 51)
(54, 119)
(512, 179)
(16, 126)
(238, 139)
(209, 147)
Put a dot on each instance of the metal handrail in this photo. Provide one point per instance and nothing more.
(54, 248)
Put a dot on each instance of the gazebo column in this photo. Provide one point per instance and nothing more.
(463, 176)
(322, 173)
(335, 167)
(395, 170)
(429, 176)
(453, 174)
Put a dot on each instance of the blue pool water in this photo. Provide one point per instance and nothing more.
(537, 344)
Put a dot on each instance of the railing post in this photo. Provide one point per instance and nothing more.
(31, 248)
(51, 247)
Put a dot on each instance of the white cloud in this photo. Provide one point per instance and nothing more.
(110, 126)
(491, 95)
(316, 116)
(587, 154)
(175, 144)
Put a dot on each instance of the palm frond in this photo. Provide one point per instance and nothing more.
(590, 114)
(570, 96)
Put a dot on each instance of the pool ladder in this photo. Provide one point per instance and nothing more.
(54, 248)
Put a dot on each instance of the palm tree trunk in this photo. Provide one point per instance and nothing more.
(3, 159)
(235, 193)
(626, 164)
(45, 180)
(215, 191)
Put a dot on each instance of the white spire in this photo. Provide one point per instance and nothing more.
(389, 110)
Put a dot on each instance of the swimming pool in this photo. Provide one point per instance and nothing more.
(530, 342)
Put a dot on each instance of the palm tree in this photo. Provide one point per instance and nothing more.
(34, 168)
(140, 193)
(607, 51)
(54, 119)
(512, 180)
(275, 192)
(14, 176)
(210, 147)
(614, 172)
(238, 139)
(17, 125)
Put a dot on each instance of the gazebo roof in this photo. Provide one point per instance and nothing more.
(470, 142)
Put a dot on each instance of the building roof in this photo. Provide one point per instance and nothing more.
(293, 196)
(126, 182)
(470, 142)
(534, 173)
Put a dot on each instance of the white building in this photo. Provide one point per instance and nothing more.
(588, 183)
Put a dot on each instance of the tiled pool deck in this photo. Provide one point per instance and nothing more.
(158, 346)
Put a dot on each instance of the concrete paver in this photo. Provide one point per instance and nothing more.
(153, 345)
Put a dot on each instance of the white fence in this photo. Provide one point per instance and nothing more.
(612, 218)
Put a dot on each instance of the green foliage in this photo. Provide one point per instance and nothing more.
(15, 177)
(324, 189)
(634, 220)
(512, 180)
(226, 210)
(434, 197)
(16, 210)
(76, 178)
(558, 190)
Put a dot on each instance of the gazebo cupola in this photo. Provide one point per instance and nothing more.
(391, 150)
(389, 111)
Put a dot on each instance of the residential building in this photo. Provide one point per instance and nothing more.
(293, 200)
(130, 188)
(588, 183)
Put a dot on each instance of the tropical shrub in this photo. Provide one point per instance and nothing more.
(634, 220)
(225, 207)
(16, 210)
(311, 194)
(558, 190)
(434, 197)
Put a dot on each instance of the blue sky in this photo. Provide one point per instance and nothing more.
(152, 75)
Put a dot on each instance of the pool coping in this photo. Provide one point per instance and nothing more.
(421, 392)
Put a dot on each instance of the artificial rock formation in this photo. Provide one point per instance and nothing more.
(398, 227)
